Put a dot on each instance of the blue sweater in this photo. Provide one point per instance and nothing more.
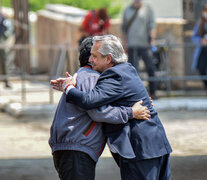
(76, 129)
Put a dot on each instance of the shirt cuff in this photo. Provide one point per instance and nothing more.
(129, 112)
(68, 88)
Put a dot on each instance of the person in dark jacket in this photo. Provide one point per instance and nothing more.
(76, 137)
(140, 148)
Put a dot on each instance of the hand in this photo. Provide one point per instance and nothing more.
(70, 80)
(140, 112)
(204, 41)
(151, 101)
(153, 42)
(57, 84)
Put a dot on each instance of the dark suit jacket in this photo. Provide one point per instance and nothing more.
(121, 86)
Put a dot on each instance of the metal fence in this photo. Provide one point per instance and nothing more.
(17, 67)
(170, 76)
(167, 64)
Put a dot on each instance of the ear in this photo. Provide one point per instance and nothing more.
(108, 59)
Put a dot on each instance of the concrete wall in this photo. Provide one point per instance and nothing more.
(55, 32)
(166, 8)
(172, 31)
(163, 8)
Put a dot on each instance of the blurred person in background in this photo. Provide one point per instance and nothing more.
(96, 22)
(3, 38)
(138, 28)
(200, 37)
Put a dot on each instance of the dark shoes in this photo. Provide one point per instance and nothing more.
(153, 96)
(7, 85)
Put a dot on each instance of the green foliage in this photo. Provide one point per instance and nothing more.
(113, 6)
(6, 3)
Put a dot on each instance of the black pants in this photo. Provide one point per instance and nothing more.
(202, 64)
(147, 169)
(3, 64)
(135, 54)
(74, 165)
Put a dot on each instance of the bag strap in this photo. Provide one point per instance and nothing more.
(131, 20)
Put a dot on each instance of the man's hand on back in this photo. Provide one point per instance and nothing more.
(140, 112)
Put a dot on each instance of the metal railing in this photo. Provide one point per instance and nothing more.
(165, 73)
(59, 60)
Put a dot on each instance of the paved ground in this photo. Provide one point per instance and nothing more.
(25, 154)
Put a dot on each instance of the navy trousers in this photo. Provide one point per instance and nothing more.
(147, 169)
(202, 64)
(135, 54)
(74, 165)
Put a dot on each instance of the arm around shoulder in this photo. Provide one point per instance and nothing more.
(107, 90)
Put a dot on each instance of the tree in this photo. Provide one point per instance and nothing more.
(114, 7)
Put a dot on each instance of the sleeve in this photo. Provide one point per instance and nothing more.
(111, 114)
(195, 37)
(152, 24)
(108, 114)
(107, 90)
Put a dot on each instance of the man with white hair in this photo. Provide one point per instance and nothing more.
(140, 148)
(76, 136)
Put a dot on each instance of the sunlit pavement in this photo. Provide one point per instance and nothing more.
(37, 100)
(25, 154)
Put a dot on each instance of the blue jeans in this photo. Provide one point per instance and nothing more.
(137, 53)
(74, 165)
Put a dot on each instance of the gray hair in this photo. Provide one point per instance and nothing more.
(110, 44)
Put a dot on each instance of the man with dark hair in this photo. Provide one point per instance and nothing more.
(76, 136)
(85, 52)
(140, 148)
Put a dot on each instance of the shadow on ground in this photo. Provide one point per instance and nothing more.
(189, 168)
(183, 168)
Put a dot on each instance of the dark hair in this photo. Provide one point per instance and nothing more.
(102, 14)
(85, 51)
